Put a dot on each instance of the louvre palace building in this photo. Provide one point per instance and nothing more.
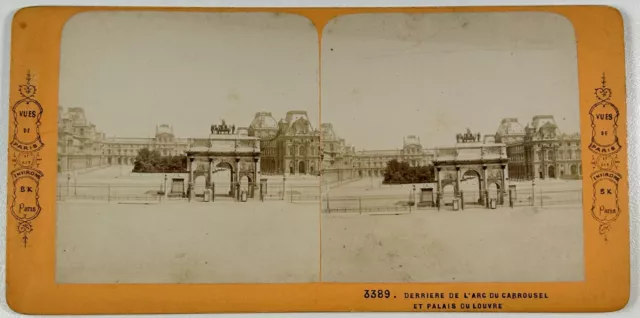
(292, 146)
(288, 146)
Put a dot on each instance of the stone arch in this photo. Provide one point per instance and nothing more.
(471, 172)
(471, 183)
(446, 182)
(223, 177)
(199, 183)
(224, 166)
(245, 181)
(448, 191)
(493, 188)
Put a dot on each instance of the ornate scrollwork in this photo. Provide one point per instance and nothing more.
(27, 113)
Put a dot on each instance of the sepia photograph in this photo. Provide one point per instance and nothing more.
(451, 148)
(188, 149)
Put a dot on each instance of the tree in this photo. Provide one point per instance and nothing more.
(398, 172)
(151, 161)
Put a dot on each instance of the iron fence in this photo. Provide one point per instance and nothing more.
(366, 204)
(467, 200)
(156, 192)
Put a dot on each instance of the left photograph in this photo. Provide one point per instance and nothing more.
(188, 149)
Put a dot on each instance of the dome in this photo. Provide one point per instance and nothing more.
(263, 120)
(510, 126)
(411, 140)
(164, 129)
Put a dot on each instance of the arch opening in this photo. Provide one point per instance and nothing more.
(471, 187)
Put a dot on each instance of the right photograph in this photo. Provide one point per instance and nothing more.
(451, 148)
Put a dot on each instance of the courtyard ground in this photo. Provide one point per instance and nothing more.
(112, 228)
(505, 245)
(178, 242)
(520, 244)
(278, 241)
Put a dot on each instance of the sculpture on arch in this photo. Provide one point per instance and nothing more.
(222, 128)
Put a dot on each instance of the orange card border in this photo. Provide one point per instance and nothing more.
(31, 288)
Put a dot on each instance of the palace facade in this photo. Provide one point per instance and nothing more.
(289, 146)
(540, 150)
(79, 142)
(82, 146)
(537, 151)
(348, 163)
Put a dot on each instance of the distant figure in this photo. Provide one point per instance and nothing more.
(478, 140)
(233, 129)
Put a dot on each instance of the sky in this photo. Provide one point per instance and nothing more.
(386, 76)
(131, 71)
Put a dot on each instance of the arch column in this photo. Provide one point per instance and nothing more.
(503, 184)
(190, 185)
(236, 185)
(254, 180)
(439, 185)
(209, 171)
(457, 192)
(484, 196)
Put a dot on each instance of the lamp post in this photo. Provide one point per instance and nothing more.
(254, 186)
(413, 195)
(166, 192)
(284, 187)
(533, 192)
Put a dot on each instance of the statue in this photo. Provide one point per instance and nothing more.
(222, 128)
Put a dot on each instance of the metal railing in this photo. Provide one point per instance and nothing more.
(467, 200)
(366, 204)
(155, 192)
